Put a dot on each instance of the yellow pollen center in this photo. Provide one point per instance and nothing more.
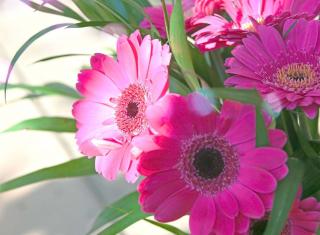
(249, 25)
(296, 76)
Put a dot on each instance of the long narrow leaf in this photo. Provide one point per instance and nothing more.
(285, 195)
(124, 222)
(180, 47)
(167, 227)
(55, 124)
(42, 8)
(311, 182)
(55, 88)
(27, 44)
(40, 34)
(73, 168)
(54, 57)
(124, 206)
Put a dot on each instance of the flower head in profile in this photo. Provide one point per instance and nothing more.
(116, 95)
(304, 217)
(283, 66)
(245, 15)
(193, 10)
(206, 164)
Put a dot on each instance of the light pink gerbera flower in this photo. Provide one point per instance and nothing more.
(206, 164)
(193, 10)
(283, 66)
(245, 14)
(304, 217)
(116, 95)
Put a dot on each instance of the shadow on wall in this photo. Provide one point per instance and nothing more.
(62, 207)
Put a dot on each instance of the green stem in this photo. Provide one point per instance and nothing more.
(285, 127)
(217, 63)
(166, 17)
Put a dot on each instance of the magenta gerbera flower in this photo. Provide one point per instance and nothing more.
(205, 164)
(283, 66)
(304, 217)
(244, 14)
(116, 95)
(193, 10)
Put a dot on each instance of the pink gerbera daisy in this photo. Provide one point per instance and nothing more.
(116, 95)
(304, 217)
(193, 10)
(283, 66)
(220, 32)
(206, 164)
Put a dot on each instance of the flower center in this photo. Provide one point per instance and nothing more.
(130, 110)
(208, 163)
(296, 76)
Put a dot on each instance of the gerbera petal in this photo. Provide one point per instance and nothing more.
(227, 203)
(257, 179)
(224, 225)
(96, 86)
(277, 138)
(249, 203)
(265, 157)
(157, 160)
(152, 200)
(242, 223)
(280, 172)
(311, 111)
(202, 216)
(175, 206)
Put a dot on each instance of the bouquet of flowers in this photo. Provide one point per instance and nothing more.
(210, 105)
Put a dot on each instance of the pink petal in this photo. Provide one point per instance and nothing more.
(265, 157)
(132, 174)
(271, 40)
(227, 203)
(257, 179)
(127, 57)
(249, 202)
(267, 200)
(157, 160)
(175, 206)
(88, 112)
(309, 203)
(170, 116)
(242, 223)
(277, 138)
(223, 225)
(96, 86)
(202, 216)
(109, 165)
(311, 111)
(280, 172)
(153, 200)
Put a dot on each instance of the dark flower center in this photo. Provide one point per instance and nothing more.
(132, 109)
(208, 163)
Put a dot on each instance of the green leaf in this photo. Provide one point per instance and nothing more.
(59, 57)
(180, 47)
(203, 69)
(124, 222)
(73, 168)
(126, 206)
(261, 130)
(55, 124)
(115, 15)
(311, 182)
(40, 34)
(92, 11)
(285, 195)
(42, 8)
(67, 11)
(27, 44)
(167, 227)
(54, 88)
